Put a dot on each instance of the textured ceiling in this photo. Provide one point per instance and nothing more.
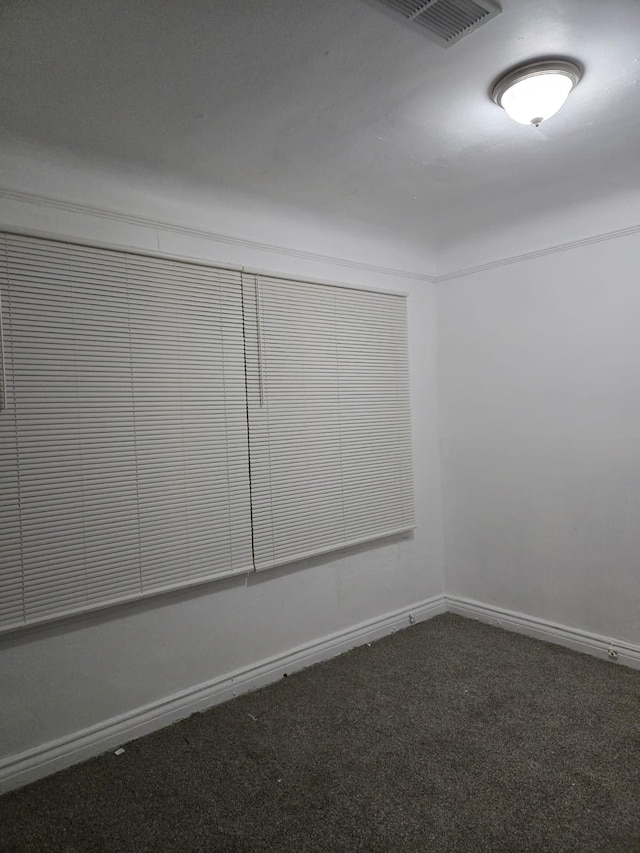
(331, 106)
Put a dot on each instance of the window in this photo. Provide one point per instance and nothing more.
(329, 424)
(124, 461)
(166, 423)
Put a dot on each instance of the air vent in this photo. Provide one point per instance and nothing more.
(445, 21)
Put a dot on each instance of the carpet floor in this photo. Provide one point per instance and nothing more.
(447, 736)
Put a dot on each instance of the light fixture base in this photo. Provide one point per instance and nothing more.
(567, 68)
(532, 69)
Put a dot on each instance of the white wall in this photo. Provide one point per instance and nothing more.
(536, 228)
(539, 388)
(75, 674)
(540, 420)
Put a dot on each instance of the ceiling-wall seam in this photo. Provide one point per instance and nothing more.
(537, 253)
(133, 219)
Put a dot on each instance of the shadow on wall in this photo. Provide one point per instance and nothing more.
(328, 557)
(68, 625)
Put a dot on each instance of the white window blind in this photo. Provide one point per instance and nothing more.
(329, 421)
(128, 386)
(123, 455)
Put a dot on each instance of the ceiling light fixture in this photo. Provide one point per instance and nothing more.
(532, 93)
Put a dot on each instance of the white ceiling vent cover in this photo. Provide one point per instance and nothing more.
(445, 21)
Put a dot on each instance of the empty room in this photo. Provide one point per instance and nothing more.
(319, 418)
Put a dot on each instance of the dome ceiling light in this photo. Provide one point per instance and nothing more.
(534, 92)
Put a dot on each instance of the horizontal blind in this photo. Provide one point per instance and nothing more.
(190, 418)
(125, 432)
(375, 418)
(11, 595)
(329, 424)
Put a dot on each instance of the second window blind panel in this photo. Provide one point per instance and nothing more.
(294, 420)
(329, 425)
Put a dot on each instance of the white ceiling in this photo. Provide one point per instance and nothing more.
(328, 105)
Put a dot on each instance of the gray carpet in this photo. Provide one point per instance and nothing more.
(448, 736)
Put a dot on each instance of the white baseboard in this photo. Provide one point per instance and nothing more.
(18, 770)
(541, 629)
(48, 758)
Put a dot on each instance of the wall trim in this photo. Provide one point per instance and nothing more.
(542, 629)
(538, 253)
(25, 767)
(133, 219)
(48, 758)
(157, 224)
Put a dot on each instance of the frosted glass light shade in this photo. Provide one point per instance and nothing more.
(535, 92)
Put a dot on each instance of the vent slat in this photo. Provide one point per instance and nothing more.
(446, 21)
(422, 6)
(470, 11)
(449, 26)
(409, 7)
(448, 12)
(448, 16)
(471, 7)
